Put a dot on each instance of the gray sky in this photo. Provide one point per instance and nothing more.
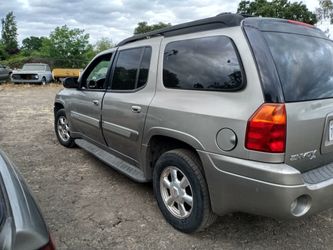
(115, 19)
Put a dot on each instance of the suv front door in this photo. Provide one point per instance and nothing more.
(127, 99)
(86, 102)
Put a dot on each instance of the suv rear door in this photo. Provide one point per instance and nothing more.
(303, 58)
(305, 68)
(126, 101)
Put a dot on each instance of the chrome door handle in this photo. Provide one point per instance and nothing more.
(96, 102)
(136, 109)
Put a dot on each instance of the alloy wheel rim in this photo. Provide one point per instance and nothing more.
(176, 192)
(63, 128)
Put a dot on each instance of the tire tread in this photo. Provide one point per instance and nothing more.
(194, 163)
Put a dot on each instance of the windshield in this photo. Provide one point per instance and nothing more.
(33, 67)
(304, 64)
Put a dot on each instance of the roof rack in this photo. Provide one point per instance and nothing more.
(223, 20)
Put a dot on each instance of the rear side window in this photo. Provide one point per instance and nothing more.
(131, 70)
(144, 67)
(209, 63)
(304, 65)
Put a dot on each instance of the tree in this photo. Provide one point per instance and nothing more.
(277, 8)
(3, 53)
(325, 10)
(71, 46)
(103, 44)
(143, 27)
(32, 43)
(9, 33)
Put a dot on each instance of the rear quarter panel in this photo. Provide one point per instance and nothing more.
(202, 114)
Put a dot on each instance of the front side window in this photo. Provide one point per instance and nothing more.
(209, 63)
(95, 75)
(131, 70)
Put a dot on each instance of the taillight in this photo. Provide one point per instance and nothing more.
(266, 129)
(49, 246)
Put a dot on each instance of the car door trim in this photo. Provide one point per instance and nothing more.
(120, 130)
(86, 119)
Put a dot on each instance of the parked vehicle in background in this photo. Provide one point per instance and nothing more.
(222, 114)
(21, 223)
(61, 73)
(4, 73)
(32, 73)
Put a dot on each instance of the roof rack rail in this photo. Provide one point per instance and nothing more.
(223, 20)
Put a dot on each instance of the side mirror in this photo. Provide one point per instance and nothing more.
(71, 83)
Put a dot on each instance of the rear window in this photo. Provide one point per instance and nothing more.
(209, 63)
(304, 65)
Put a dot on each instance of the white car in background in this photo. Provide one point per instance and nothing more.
(32, 73)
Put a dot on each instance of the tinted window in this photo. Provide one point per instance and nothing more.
(131, 70)
(209, 63)
(144, 67)
(304, 65)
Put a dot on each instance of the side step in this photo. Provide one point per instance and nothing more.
(113, 161)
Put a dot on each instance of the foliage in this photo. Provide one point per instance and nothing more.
(143, 27)
(277, 8)
(9, 34)
(325, 10)
(32, 43)
(71, 46)
(16, 61)
(3, 53)
(103, 44)
(326, 4)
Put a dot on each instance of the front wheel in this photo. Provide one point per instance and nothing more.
(181, 191)
(61, 127)
(43, 80)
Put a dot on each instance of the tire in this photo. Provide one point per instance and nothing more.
(173, 199)
(61, 128)
(43, 81)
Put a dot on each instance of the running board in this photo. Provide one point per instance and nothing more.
(113, 161)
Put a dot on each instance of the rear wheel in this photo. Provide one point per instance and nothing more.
(61, 127)
(181, 191)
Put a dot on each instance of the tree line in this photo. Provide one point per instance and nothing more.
(66, 47)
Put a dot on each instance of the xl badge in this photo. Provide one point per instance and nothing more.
(310, 155)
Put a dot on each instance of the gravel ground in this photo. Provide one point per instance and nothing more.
(87, 205)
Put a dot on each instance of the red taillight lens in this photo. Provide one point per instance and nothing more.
(49, 246)
(266, 129)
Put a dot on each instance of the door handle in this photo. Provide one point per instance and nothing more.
(96, 102)
(136, 109)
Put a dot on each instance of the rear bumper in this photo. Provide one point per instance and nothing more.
(274, 190)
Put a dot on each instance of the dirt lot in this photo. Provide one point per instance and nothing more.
(87, 205)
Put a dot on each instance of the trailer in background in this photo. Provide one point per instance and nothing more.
(60, 73)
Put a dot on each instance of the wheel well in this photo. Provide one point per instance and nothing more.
(57, 107)
(160, 144)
